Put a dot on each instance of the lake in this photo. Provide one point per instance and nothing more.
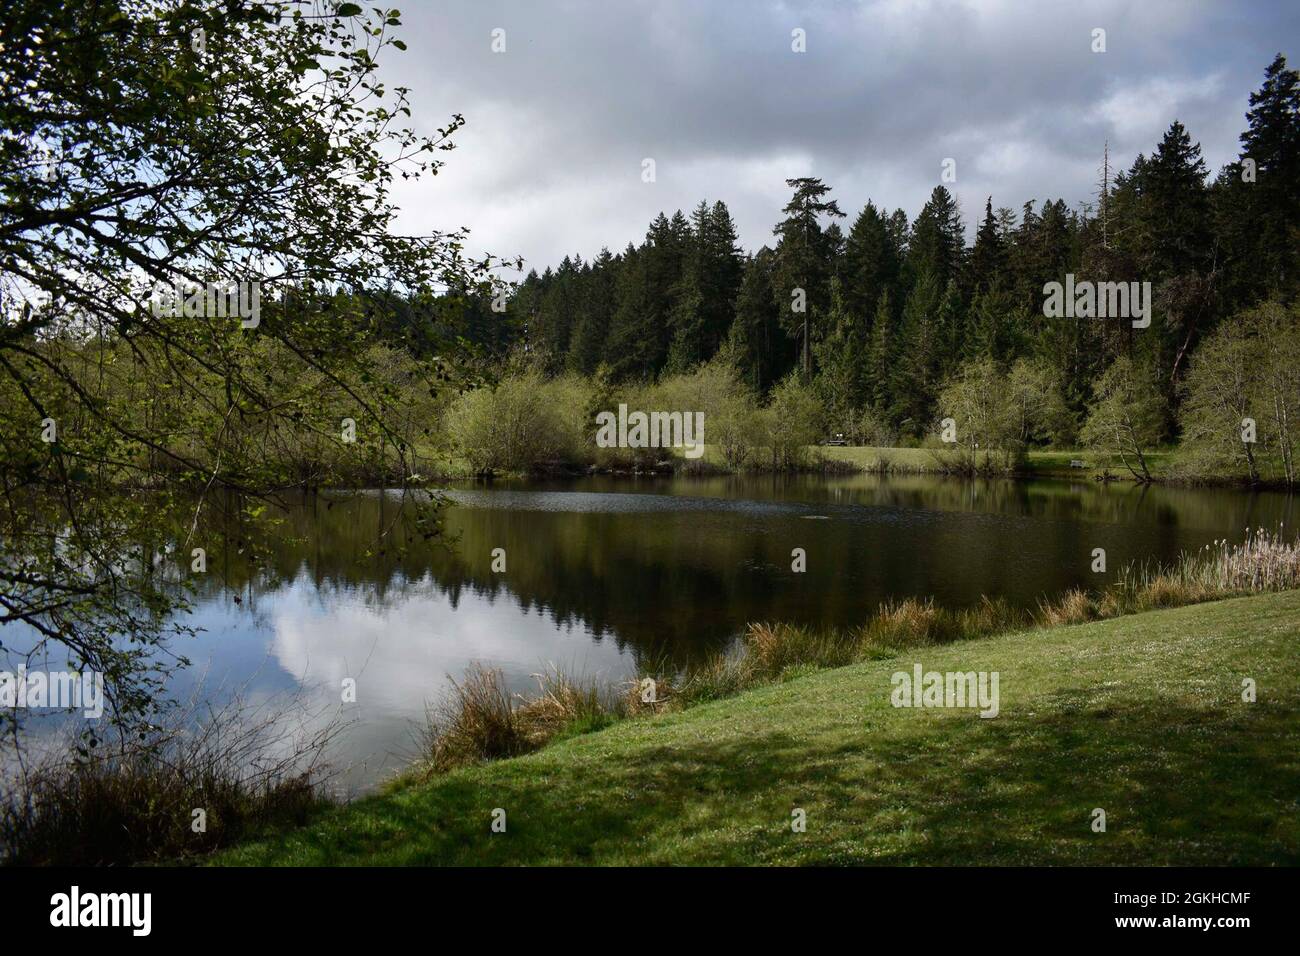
(605, 573)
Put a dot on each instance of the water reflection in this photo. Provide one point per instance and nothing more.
(605, 573)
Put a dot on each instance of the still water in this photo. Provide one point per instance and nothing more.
(604, 573)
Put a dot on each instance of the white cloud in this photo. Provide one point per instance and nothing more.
(549, 164)
(1143, 111)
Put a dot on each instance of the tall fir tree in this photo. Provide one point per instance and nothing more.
(1176, 208)
(757, 339)
(871, 263)
(1257, 198)
(915, 381)
(881, 361)
(595, 314)
(704, 301)
(988, 257)
(841, 360)
(804, 263)
(937, 245)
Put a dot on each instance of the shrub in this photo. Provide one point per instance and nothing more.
(872, 428)
(792, 421)
(524, 421)
(134, 802)
(731, 419)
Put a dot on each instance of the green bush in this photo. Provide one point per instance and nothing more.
(523, 422)
(793, 421)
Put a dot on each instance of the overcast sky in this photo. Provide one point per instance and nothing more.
(558, 125)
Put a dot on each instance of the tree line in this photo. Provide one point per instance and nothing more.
(878, 315)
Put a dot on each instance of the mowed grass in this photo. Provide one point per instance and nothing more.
(1160, 462)
(1141, 716)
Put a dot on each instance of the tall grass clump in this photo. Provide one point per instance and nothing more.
(898, 625)
(250, 770)
(478, 722)
(482, 720)
(662, 686)
(565, 705)
(1075, 606)
(774, 648)
(1264, 562)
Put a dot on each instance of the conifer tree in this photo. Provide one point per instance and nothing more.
(804, 258)
(988, 257)
(757, 339)
(871, 263)
(880, 360)
(1257, 206)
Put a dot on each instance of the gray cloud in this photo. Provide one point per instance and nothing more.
(558, 125)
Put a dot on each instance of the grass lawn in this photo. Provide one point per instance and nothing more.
(1043, 463)
(1058, 463)
(1141, 716)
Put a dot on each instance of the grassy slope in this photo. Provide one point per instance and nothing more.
(1141, 716)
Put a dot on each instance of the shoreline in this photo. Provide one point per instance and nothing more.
(883, 462)
(560, 797)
